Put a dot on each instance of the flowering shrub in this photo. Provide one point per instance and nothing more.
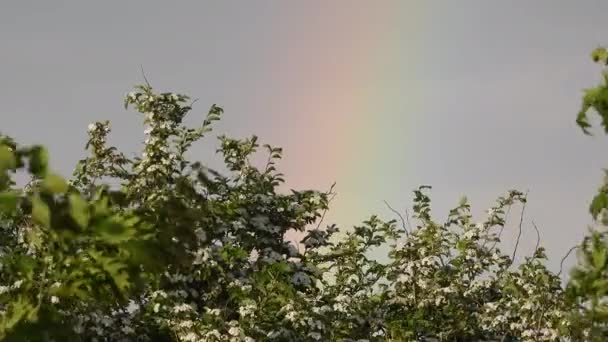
(160, 248)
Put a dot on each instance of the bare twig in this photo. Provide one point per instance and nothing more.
(193, 102)
(521, 221)
(144, 76)
(331, 189)
(322, 218)
(330, 199)
(561, 264)
(537, 236)
(407, 233)
(407, 218)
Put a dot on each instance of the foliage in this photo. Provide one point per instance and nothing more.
(589, 282)
(160, 248)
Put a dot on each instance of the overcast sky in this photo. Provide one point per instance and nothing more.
(472, 97)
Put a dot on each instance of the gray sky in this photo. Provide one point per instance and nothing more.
(472, 97)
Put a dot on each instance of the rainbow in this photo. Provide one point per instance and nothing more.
(352, 100)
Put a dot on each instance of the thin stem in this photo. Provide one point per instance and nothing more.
(521, 221)
(407, 218)
(561, 264)
(330, 199)
(537, 236)
(407, 233)
(143, 74)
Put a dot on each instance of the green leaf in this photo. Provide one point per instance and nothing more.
(35, 238)
(113, 230)
(114, 269)
(55, 183)
(7, 158)
(8, 202)
(600, 201)
(40, 212)
(145, 253)
(600, 55)
(39, 160)
(20, 310)
(101, 206)
(79, 210)
(26, 265)
(599, 258)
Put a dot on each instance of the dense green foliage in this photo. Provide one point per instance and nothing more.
(160, 248)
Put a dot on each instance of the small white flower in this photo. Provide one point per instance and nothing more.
(186, 324)
(159, 293)
(527, 333)
(234, 331)
(214, 333)
(191, 337)
(528, 306)
(492, 306)
(528, 288)
(182, 308)
(291, 316)
(91, 127)
(247, 310)
(128, 330)
(315, 199)
(315, 335)
(339, 307)
(469, 234)
(213, 312)
(54, 299)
